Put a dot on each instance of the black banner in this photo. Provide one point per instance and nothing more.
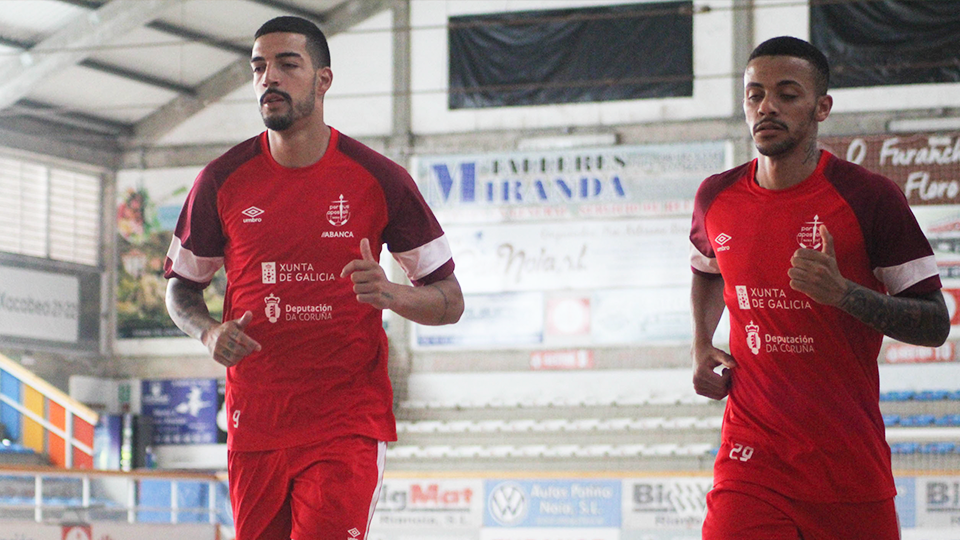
(884, 42)
(605, 53)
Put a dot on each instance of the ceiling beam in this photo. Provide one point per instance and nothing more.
(199, 37)
(73, 43)
(292, 9)
(237, 74)
(39, 137)
(171, 29)
(74, 119)
(136, 76)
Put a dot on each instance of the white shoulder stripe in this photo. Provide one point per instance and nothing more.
(189, 266)
(420, 262)
(701, 262)
(902, 276)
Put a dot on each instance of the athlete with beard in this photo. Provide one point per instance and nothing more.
(297, 216)
(816, 259)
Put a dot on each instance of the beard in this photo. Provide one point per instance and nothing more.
(295, 111)
(792, 140)
(778, 148)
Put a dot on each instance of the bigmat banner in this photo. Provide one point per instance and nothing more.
(661, 507)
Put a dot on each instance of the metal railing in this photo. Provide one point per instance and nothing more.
(52, 494)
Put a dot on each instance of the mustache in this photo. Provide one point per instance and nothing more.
(274, 91)
(774, 122)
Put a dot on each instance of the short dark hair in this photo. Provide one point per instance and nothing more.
(316, 42)
(798, 48)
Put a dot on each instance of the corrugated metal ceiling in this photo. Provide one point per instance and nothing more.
(125, 73)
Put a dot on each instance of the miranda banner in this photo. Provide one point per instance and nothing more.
(582, 183)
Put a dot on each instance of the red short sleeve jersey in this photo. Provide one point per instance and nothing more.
(803, 415)
(284, 235)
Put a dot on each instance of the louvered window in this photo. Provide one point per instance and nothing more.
(49, 212)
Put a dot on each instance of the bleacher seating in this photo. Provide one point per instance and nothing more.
(462, 423)
(15, 454)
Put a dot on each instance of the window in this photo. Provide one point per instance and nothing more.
(49, 212)
(633, 51)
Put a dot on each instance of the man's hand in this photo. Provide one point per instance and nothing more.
(706, 381)
(227, 342)
(370, 282)
(815, 273)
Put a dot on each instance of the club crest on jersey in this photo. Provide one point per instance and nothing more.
(753, 337)
(272, 311)
(809, 236)
(339, 212)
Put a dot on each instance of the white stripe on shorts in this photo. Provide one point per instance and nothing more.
(381, 460)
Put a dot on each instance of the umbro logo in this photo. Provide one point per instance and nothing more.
(722, 239)
(354, 533)
(253, 215)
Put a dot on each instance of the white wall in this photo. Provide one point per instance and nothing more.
(787, 17)
(430, 77)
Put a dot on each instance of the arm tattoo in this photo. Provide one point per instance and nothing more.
(921, 320)
(446, 303)
(188, 309)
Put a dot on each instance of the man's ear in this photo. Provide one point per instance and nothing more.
(824, 106)
(324, 80)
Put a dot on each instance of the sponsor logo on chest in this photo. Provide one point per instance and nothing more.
(274, 272)
(758, 340)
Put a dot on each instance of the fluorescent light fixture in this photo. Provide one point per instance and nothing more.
(564, 142)
(924, 124)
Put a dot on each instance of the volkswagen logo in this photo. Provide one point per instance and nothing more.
(508, 504)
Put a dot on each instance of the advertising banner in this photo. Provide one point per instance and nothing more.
(938, 503)
(39, 305)
(148, 206)
(666, 503)
(926, 166)
(489, 321)
(567, 184)
(491, 533)
(184, 411)
(429, 504)
(552, 503)
(906, 501)
(103, 530)
(572, 255)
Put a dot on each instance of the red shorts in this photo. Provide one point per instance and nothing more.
(750, 512)
(325, 491)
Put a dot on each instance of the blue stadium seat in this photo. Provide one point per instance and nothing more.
(897, 395)
(904, 448)
(938, 448)
(918, 420)
(890, 420)
(954, 395)
(948, 420)
(932, 395)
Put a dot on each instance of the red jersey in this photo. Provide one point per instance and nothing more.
(284, 235)
(803, 416)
